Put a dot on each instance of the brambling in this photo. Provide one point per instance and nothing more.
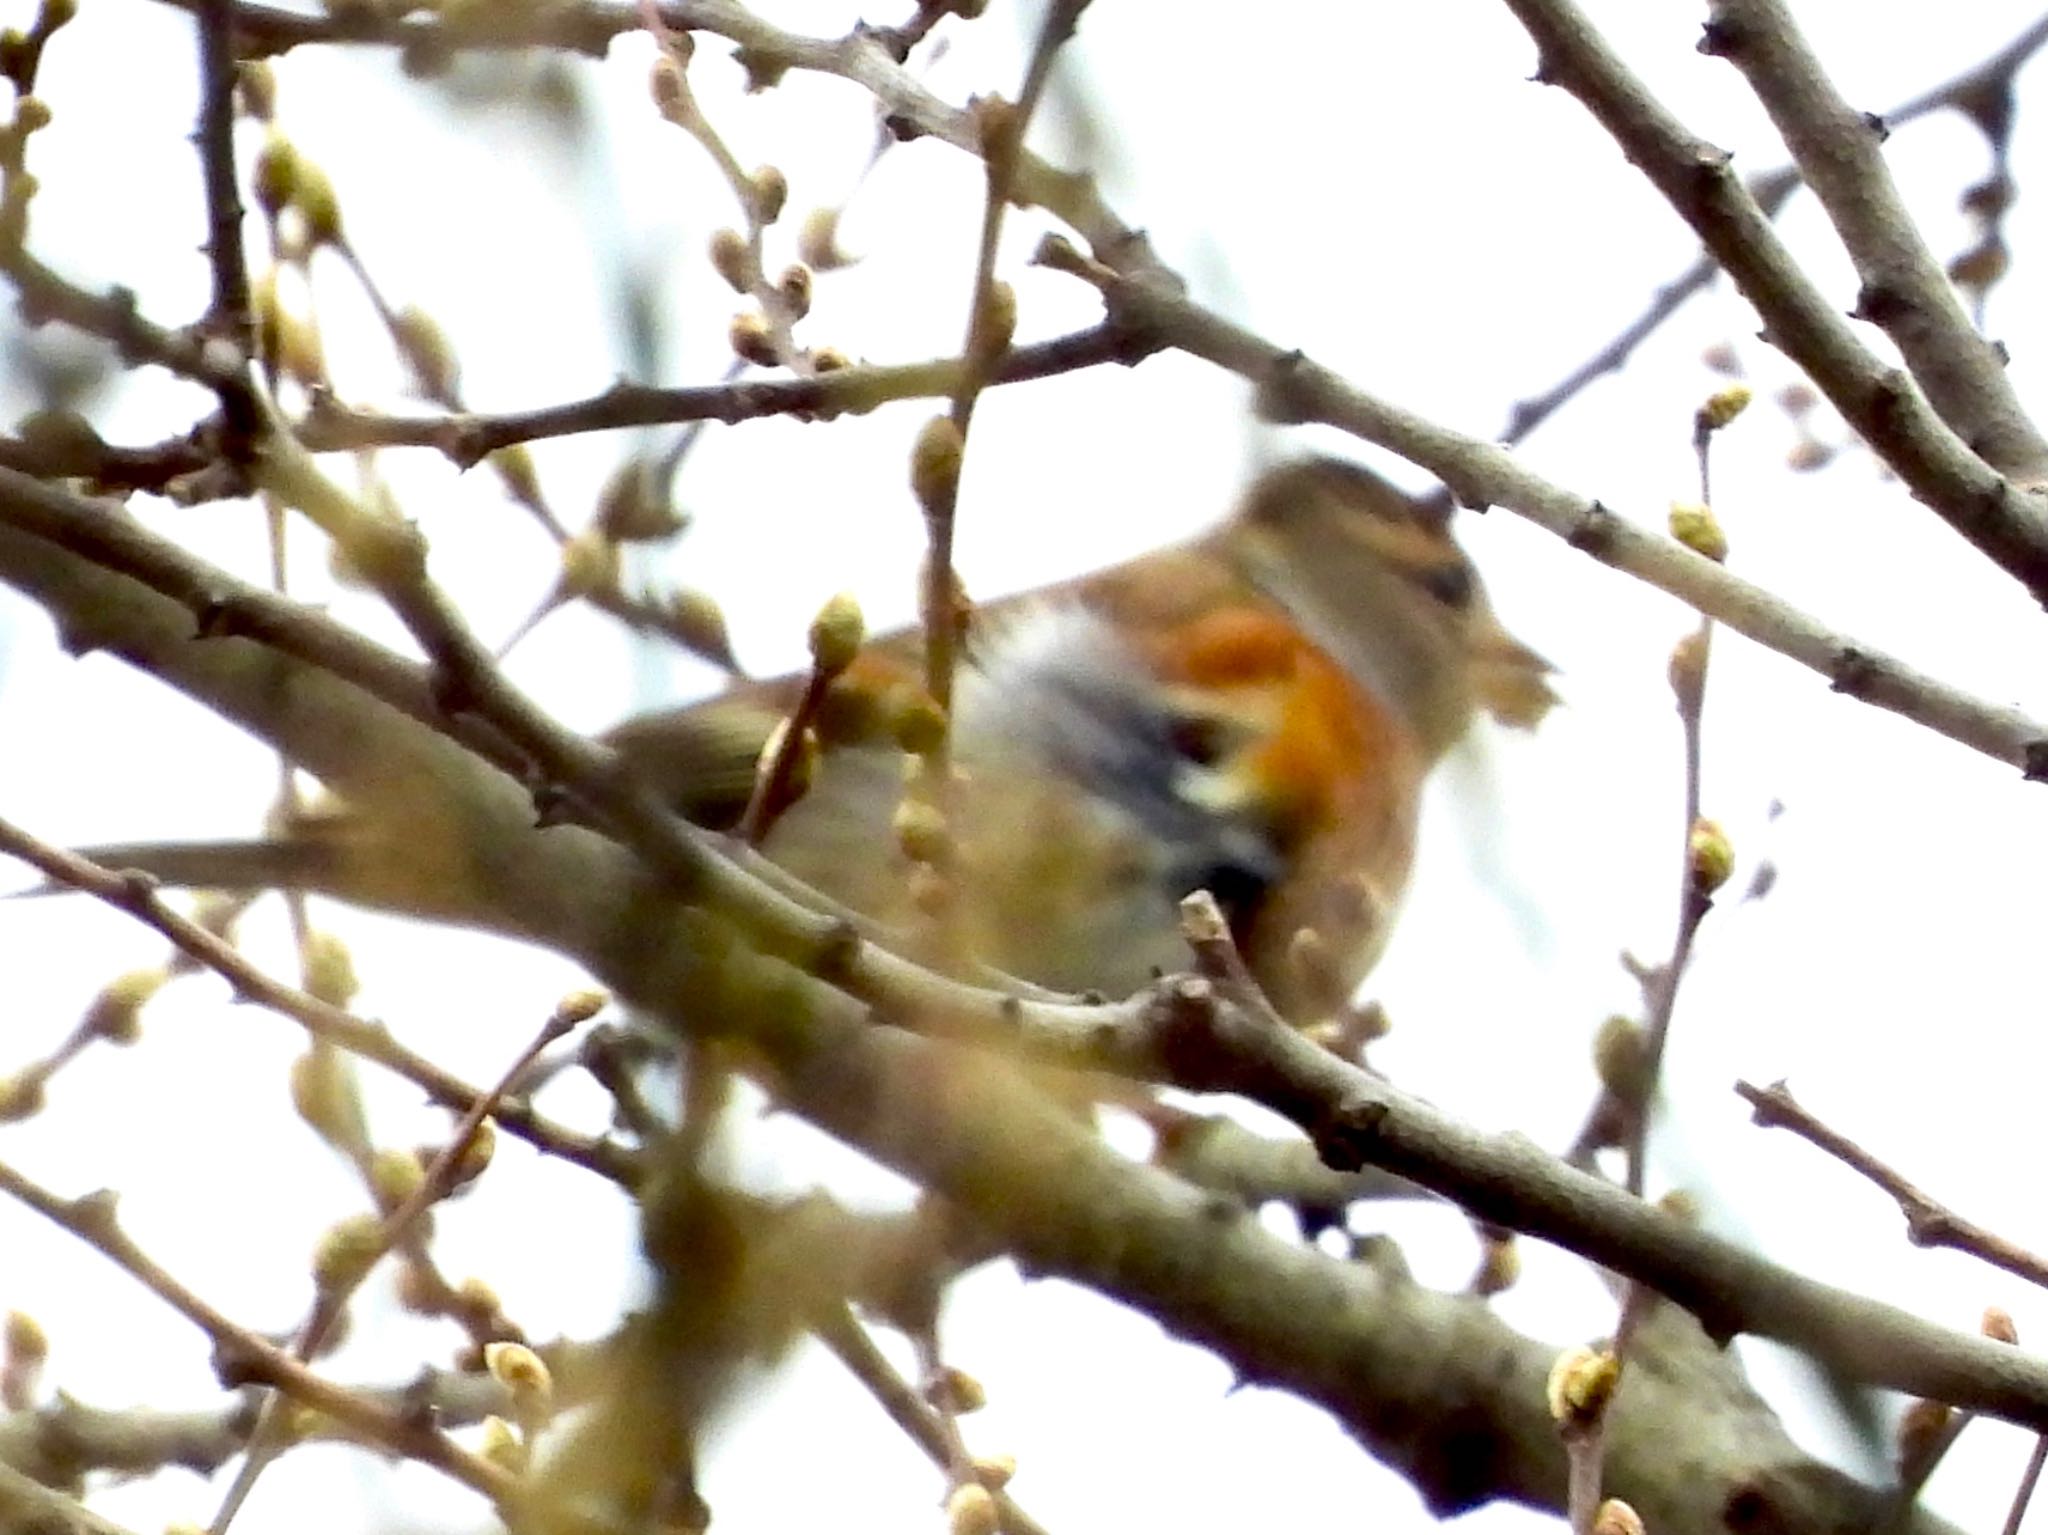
(1253, 713)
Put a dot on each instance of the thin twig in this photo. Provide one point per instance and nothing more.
(1996, 515)
(137, 897)
(776, 786)
(841, 1332)
(991, 321)
(466, 439)
(268, 1439)
(1929, 1223)
(1904, 291)
(1772, 189)
(249, 1357)
(2024, 1493)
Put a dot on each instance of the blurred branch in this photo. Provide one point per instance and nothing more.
(67, 1440)
(841, 1332)
(113, 316)
(1213, 1151)
(136, 895)
(991, 322)
(80, 454)
(868, 59)
(862, 57)
(244, 1357)
(1355, 1337)
(26, 1504)
(271, 1434)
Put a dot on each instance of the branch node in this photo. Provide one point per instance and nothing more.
(1280, 398)
(217, 616)
(1879, 303)
(1852, 671)
(1721, 39)
(1593, 533)
(1344, 1139)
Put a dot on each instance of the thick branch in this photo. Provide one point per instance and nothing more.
(1905, 290)
(2002, 520)
(578, 894)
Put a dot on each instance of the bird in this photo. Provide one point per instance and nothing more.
(1252, 712)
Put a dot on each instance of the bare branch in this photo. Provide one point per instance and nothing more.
(2001, 518)
(467, 438)
(1905, 291)
(1929, 1223)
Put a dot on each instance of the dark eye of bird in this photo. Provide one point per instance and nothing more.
(1449, 584)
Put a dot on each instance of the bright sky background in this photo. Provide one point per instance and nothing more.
(1376, 184)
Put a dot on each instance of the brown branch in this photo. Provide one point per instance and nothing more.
(841, 1332)
(112, 316)
(1994, 76)
(136, 896)
(1214, 1151)
(1904, 289)
(1989, 79)
(1384, 1355)
(1698, 878)
(467, 438)
(2024, 1493)
(107, 466)
(263, 31)
(229, 317)
(1530, 412)
(244, 1357)
(1882, 404)
(1929, 1223)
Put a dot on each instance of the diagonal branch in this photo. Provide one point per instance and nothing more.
(1905, 291)
(2002, 519)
